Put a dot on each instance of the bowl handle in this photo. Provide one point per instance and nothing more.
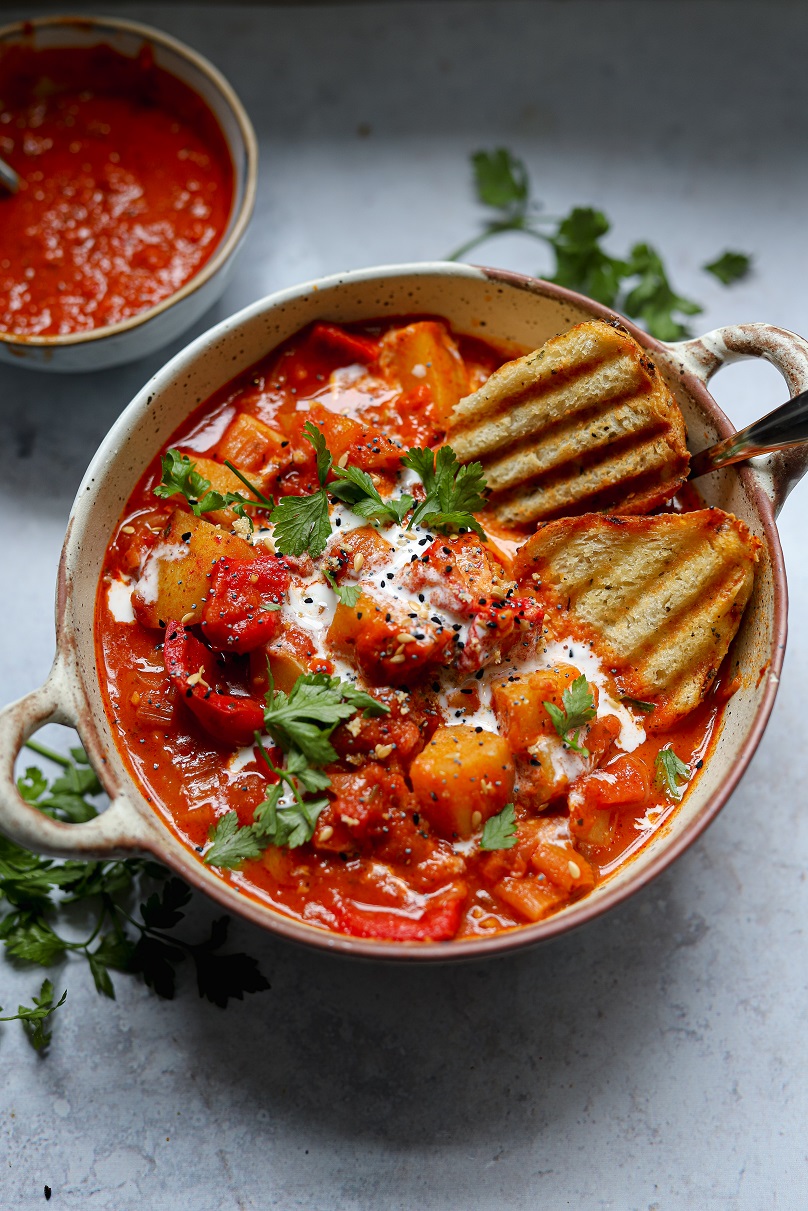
(704, 355)
(118, 832)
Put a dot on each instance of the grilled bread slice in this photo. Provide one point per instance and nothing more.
(660, 598)
(583, 424)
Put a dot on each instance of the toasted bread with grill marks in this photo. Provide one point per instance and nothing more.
(584, 424)
(660, 597)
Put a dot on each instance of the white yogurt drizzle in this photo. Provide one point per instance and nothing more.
(311, 604)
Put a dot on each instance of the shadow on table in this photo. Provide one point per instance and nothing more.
(419, 1055)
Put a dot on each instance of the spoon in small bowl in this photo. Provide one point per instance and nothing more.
(782, 429)
(9, 179)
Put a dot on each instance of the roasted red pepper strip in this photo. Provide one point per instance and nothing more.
(438, 922)
(360, 348)
(241, 612)
(192, 668)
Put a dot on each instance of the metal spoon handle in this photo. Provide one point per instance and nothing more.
(787, 426)
(8, 177)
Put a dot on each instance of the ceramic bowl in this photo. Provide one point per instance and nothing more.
(150, 330)
(509, 310)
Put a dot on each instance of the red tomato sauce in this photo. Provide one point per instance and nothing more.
(127, 187)
(410, 878)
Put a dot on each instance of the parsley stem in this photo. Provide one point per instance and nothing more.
(57, 758)
(281, 773)
(263, 502)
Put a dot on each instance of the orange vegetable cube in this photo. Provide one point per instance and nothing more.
(424, 354)
(461, 778)
(176, 574)
(250, 444)
(519, 704)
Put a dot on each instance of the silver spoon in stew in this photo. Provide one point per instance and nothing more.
(782, 429)
(9, 179)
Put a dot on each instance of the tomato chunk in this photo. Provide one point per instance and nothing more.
(242, 610)
(359, 348)
(192, 668)
(437, 923)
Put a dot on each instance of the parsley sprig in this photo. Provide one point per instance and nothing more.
(301, 724)
(41, 897)
(33, 1017)
(453, 492)
(637, 284)
(180, 477)
(500, 831)
(672, 775)
(579, 707)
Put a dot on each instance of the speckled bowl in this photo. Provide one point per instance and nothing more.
(150, 330)
(507, 309)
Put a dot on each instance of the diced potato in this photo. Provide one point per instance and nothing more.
(461, 778)
(519, 704)
(555, 858)
(359, 550)
(250, 444)
(424, 354)
(530, 897)
(176, 574)
(289, 655)
(222, 480)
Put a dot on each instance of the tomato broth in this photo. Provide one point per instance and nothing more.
(127, 187)
(413, 839)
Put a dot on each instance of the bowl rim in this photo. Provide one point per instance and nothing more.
(170, 847)
(241, 216)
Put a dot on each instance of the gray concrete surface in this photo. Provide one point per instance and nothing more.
(656, 1060)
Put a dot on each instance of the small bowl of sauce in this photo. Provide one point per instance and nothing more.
(138, 167)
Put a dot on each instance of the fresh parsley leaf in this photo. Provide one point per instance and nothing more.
(579, 707)
(33, 1017)
(581, 263)
(305, 717)
(638, 704)
(453, 492)
(310, 779)
(32, 785)
(324, 460)
(500, 831)
(282, 824)
(30, 938)
(671, 773)
(348, 594)
(301, 525)
(730, 267)
(231, 844)
(356, 488)
(653, 301)
(501, 180)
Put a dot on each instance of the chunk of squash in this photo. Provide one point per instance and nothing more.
(177, 572)
(519, 704)
(222, 480)
(461, 778)
(250, 444)
(424, 354)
